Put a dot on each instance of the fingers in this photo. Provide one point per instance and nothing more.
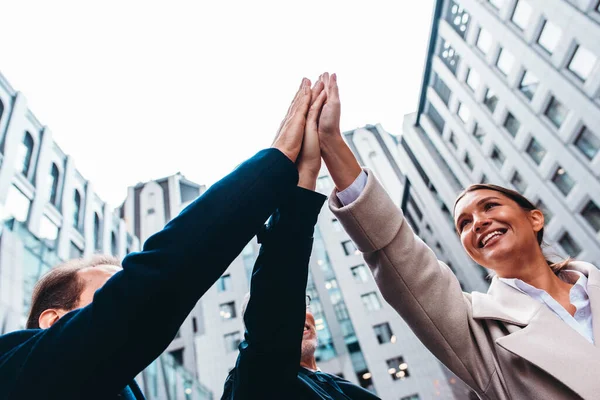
(333, 88)
(301, 96)
(316, 90)
(315, 109)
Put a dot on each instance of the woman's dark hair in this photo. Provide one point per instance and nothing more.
(525, 204)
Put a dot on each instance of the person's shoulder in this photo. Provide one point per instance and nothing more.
(13, 339)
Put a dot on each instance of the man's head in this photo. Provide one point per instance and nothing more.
(68, 287)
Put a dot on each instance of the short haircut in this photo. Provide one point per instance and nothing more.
(61, 287)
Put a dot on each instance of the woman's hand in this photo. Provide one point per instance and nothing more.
(309, 159)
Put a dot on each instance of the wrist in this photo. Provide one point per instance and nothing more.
(308, 181)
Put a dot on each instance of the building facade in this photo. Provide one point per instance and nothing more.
(511, 96)
(49, 214)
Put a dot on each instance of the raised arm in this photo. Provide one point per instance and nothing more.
(276, 310)
(133, 318)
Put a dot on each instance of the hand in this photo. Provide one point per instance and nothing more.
(329, 121)
(291, 131)
(309, 159)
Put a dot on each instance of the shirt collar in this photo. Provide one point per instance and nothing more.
(571, 276)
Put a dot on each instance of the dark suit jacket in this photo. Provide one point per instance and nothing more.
(95, 352)
(268, 366)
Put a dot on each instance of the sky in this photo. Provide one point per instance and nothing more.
(138, 90)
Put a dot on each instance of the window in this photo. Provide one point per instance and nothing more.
(587, 143)
(540, 205)
(232, 341)
(484, 179)
(497, 4)
(452, 140)
(97, 232)
(556, 112)
(224, 283)
(448, 55)
(518, 182)
(397, 368)
(415, 207)
(591, 213)
(563, 181)
(25, 153)
(177, 355)
(473, 79)
(490, 100)
(384, 333)
(569, 245)
(536, 151)
(512, 124)
(416, 396)
(75, 251)
(497, 157)
(114, 248)
(435, 118)
(529, 84)
(468, 162)
(549, 37)
(76, 209)
(441, 89)
(1, 109)
(484, 41)
(17, 205)
(463, 113)
(324, 184)
(53, 183)
(458, 18)
(227, 310)
(582, 62)
(371, 301)
(521, 14)
(349, 248)
(360, 273)
(478, 133)
(48, 230)
(337, 227)
(194, 324)
(505, 61)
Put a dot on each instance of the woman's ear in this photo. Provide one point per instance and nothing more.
(537, 220)
(49, 317)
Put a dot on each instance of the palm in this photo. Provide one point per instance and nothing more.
(329, 120)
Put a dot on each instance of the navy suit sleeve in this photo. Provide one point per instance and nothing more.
(134, 317)
(276, 310)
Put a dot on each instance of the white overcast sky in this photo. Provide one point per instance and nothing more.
(138, 90)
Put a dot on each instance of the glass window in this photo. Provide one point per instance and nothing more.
(484, 41)
(416, 396)
(587, 143)
(337, 227)
(232, 341)
(435, 118)
(224, 283)
(582, 63)
(505, 61)
(468, 162)
(349, 248)
(75, 251)
(563, 180)
(448, 55)
(521, 14)
(397, 368)
(452, 140)
(497, 3)
(478, 133)
(24, 154)
(360, 273)
(591, 213)
(17, 205)
(540, 205)
(441, 89)
(114, 248)
(415, 207)
(97, 233)
(54, 183)
(490, 100)
(497, 157)
(76, 209)
(518, 182)
(549, 37)
(227, 310)
(458, 18)
(384, 333)
(556, 112)
(371, 301)
(48, 229)
(463, 113)
(1, 109)
(512, 124)
(536, 151)
(473, 79)
(569, 245)
(529, 84)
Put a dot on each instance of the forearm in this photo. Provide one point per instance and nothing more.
(340, 161)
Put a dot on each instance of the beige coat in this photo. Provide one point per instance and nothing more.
(503, 344)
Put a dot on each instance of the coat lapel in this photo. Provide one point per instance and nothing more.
(546, 341)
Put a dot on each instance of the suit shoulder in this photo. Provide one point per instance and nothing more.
(11, 340)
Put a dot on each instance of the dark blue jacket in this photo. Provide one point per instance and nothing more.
(95, 352)
(268, 366)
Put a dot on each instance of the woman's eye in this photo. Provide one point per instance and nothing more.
(490, 205)
(463, 223)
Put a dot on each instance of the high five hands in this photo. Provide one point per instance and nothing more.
(311, 131)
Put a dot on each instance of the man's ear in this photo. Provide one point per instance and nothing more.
(49, 317)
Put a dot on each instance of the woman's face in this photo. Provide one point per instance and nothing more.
(494, 229)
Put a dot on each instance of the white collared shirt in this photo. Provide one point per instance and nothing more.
(582, 321)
